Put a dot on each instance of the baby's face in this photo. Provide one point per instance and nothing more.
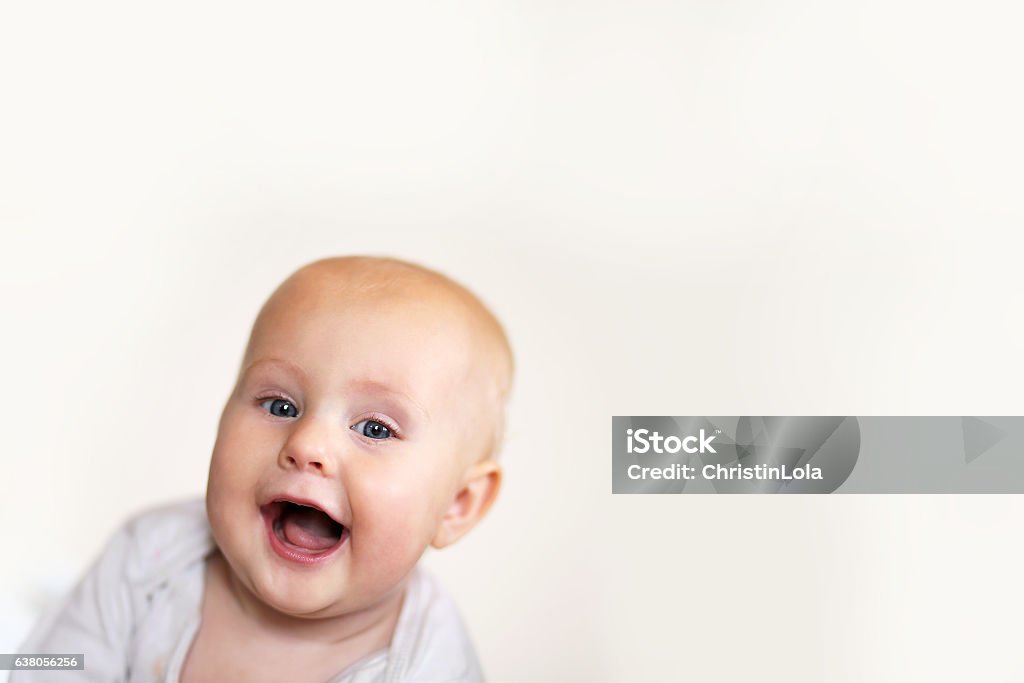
(342, 447)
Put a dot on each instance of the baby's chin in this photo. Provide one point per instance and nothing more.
(305, 598)
(316, 594)
(321, 594)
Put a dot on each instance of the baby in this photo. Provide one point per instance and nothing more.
(363, 427)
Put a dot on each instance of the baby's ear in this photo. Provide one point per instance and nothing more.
(476, 493)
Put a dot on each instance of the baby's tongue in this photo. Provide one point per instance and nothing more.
(309, 529)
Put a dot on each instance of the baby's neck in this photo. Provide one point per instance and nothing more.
(365, 631)
(241, 638)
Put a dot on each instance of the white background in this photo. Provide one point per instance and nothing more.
(683, 208)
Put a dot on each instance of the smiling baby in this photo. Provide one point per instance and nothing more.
(363, 428)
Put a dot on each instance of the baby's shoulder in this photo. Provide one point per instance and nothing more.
(431, 640)
(178, 516)
(159, 541)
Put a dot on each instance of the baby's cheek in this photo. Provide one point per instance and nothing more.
(228, 481)
(230, 490)
(392, 520)
(389, 547)
(235, 461)
(225, 494)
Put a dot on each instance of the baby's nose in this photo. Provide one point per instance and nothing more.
(304, 461)
(310, 447)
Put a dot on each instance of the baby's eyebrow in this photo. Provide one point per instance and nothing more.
(363, 385)
(371, 386)
(288, 366)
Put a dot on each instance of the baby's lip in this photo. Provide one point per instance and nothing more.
(300, 500)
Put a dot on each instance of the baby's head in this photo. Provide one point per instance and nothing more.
(362, 428)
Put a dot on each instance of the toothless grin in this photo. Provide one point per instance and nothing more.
(301, 532)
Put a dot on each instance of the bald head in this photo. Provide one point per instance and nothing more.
(341, 281)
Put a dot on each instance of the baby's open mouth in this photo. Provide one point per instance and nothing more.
(302, 528)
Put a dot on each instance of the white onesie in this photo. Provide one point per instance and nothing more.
(135, 613)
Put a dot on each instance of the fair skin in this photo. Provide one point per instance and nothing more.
(355, 437)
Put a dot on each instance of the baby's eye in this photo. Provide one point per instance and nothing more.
(280, 407)
(372, 429)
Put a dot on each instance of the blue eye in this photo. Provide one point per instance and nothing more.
(280, 407)
(372, 429)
